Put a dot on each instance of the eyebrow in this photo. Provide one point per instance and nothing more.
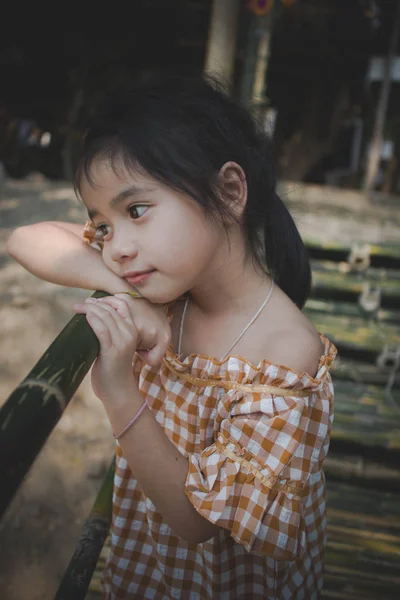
(132, 190)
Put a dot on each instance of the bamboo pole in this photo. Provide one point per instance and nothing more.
(31, 412)
(77, 577)
(387, 257)
(377, 136)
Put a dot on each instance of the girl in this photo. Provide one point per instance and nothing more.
(223, 424)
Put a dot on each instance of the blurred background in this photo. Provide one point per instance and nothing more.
(317, 67)
(323, 76)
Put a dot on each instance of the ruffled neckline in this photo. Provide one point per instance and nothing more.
(236, 368)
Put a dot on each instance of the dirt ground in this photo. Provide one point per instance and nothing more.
(44, 522)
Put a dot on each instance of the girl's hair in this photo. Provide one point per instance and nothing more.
(181, 131)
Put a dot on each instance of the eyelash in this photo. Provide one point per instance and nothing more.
(130, 209)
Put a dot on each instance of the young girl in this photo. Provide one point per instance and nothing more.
(223, 423)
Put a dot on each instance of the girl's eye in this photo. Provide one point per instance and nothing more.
(137, 210)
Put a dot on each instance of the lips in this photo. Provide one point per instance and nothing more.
(137, 277)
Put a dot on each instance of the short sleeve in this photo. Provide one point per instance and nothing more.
(91, 236)
(245, 482)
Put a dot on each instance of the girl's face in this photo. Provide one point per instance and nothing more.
(156, 238)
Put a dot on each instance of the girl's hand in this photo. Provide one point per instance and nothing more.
(124, 325)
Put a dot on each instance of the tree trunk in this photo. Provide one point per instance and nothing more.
(377, 136)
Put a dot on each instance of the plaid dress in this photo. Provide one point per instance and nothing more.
(255, 438)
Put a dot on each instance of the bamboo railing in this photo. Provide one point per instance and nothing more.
(28, 417)
(77, 577)
(30, 414)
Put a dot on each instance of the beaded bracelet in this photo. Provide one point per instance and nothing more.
(116, 436)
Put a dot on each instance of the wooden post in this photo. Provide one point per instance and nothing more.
(263, 51)
(220, 57)
(376, 140)
(255, 60)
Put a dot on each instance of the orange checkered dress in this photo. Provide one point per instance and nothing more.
(255, 438)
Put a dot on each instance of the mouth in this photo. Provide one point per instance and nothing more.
(138, 277)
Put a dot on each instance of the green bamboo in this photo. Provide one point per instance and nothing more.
(347, 369)
(352, 283)
(363, 549)
(356, 332)
(391, 251)
(366, 417)
(367, 473)
(347, 309)
(356, 503)
(78, 575)
(31, 412)
(377, 275)
(367, 402)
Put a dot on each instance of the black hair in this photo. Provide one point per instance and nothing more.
(181, 131)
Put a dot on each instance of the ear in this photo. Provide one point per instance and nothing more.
(233, 187)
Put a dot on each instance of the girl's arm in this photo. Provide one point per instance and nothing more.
(56, 252)
(157, 464)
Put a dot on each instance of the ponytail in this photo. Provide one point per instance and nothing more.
(286, 257)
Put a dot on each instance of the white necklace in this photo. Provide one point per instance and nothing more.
(242, 332)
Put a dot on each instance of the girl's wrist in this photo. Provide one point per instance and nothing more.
(113, 284)
(126, 404)
(126, 394)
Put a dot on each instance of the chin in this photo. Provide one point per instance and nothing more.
(161, 297)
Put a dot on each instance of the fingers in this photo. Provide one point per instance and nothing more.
(122, 304)
(120, 311)
(151, 327)
(147, 325)
(109, 327)
(120, 315)
(126, 301)
(100, 329)
(155, 355)
(122, 307)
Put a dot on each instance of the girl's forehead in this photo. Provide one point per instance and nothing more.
(111, 174)
(104, 186)
(104, 180)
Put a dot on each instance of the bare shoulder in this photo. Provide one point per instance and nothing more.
(298, 348)
(292, 340)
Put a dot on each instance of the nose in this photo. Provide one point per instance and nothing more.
(123, 246)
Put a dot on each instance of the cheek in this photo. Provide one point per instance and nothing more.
(190, 246)
(111, 264)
